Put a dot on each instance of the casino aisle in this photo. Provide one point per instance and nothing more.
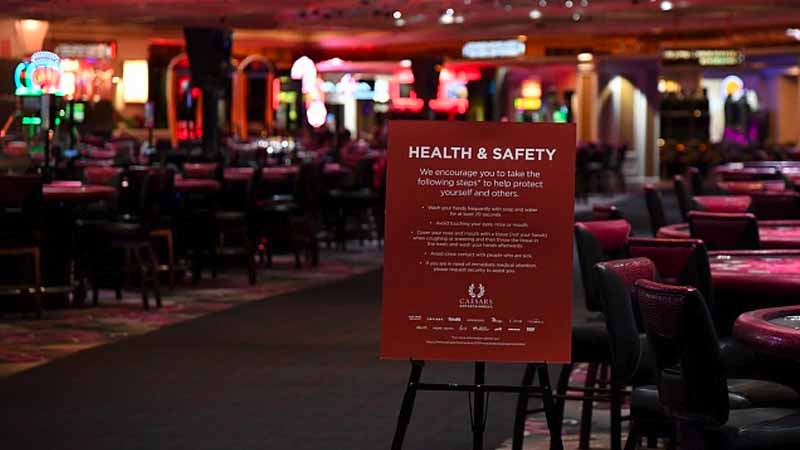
(298, 371)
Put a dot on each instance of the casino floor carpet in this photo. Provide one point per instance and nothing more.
(298, 371)
(295, 371)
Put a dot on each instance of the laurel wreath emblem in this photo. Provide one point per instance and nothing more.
(479, 294)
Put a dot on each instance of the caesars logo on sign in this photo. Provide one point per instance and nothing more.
(476, 298)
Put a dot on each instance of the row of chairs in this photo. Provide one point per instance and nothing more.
(766, 205)
(628, 349)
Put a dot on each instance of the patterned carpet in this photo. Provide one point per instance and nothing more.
(537, 436)
(26, 342)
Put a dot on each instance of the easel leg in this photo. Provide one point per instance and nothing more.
(479, 410)
(522, 407)
(552, 414)
(408, 404)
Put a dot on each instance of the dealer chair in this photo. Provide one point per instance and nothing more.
(596, 241)
(655, 208)
(692, 386)
(724, 231)
(683, 196)
(778, 205)
(696, 180)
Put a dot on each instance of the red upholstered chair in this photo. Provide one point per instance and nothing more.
(679, 261)
(596, 241)
(630, 362)
(655, 208)
(605, 212)
(722, 231)
(710, 411)
(776, 205)
(108, 176)
(683, 196)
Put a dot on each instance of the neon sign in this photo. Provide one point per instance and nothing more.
(42, 75)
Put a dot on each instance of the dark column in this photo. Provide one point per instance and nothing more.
(209, 51)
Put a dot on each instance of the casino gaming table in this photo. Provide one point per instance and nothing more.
(774, 234)
(745, 280)
(774, 331)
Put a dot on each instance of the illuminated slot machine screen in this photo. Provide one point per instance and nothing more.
(78, 112)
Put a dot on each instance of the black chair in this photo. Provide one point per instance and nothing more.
(724, 231)
(632, 363)
(234, 219)
(779, 205)
(20, 235)
(128, 239)
(692, 386)
(596, 241)
(294, 222)
(683, 196)
(696, 180)
(655, 208)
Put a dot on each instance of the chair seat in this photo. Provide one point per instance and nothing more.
(590, 343)
(759, 429)
(743, 394)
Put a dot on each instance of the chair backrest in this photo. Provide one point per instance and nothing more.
(777, 205)
(696, 180)
(691, 380)
(683, 196)
(20, 203)
(723, 231)
(614, 280)
(605, 212)
(599, 241)
(679, 261)
(310, 185)
(238, 192)
(157, 195)
(109, 176)
(655, 208)
(201, 170)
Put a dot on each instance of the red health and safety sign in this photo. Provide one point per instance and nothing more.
(478, 256)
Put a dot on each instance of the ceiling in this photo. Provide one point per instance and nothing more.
(371, 23)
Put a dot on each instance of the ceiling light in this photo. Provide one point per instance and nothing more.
(449, 11)
(397, 15)
(576, 17)
(584, 3)
(535, 14)
(459, 19)
(585, 57)
(793, 32)
(569, 4)
(405, 63)
(542, 3)
(400, 22)
(667, 5)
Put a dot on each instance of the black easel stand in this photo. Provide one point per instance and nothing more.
(478, 411)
